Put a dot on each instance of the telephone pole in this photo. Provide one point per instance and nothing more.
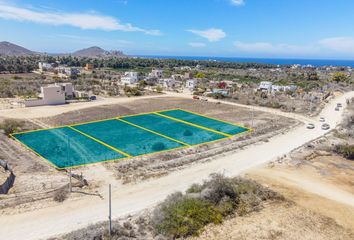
(110, 211)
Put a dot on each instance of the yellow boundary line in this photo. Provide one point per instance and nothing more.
(194, 125)
(123, 153)
(151, 131)
(99, 141)
(34, 151)
(216, 119)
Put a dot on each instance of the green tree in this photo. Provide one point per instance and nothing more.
(340, 77)
(200, 75)
(159, 89)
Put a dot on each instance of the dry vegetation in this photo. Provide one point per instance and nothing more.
(140, 168)
(34, 175)
(182, 215)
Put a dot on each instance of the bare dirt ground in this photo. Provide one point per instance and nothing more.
(36, 180)
(142, 168)
(78, 213)
(278, 220)
(319, 184)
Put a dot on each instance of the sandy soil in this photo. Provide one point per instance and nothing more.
(36, 179)
(74, 214)
(278, 220)
(320, 187)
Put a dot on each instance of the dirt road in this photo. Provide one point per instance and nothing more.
(72, 215)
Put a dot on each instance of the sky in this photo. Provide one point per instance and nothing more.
(316, 29)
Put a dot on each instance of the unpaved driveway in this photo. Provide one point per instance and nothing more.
(72, 215)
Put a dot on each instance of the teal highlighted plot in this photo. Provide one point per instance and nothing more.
(64, 147)
(177, 130)
(204, 121)
(127, 138)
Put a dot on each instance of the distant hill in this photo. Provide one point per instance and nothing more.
(10, 49)
(97, 52)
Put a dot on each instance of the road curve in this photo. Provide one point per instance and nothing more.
(74, 214)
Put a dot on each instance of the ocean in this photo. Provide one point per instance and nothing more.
(276, 61)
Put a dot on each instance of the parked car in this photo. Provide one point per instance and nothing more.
(322, 119)
(195, 97)
(310, 126)
(325, 126)
(204, 99)
(336, 109)
(339, 105)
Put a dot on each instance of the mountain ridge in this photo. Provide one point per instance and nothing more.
(11, 49)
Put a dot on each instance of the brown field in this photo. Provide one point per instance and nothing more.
(34, 175)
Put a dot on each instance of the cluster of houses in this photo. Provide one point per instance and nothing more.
(156, 77)
(270, 87)
(62, 71)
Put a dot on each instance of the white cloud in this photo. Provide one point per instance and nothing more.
(266, 47)
(237, 2)
(338, 44)
(80, 20)
(197, 44)
(212, 34)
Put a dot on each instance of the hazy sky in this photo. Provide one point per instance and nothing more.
(236, 28)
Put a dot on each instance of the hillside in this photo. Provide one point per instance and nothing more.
(10, 49)
(97, 52)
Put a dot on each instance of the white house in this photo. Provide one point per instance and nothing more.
(268, 86)
(191, 84)
(130, 78)
(167, 82)
(43, 66)
(265, 86)
(52, 95)
(157, 73)
(67, 71)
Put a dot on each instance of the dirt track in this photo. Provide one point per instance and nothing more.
(131, 198)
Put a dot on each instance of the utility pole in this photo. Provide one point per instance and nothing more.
(252, 108)
(70, 182)
(67, 159)
(110, 211)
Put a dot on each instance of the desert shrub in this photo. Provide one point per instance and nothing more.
(346, 151)
(61, 194)
(195, 188)
(10, 126)
(184, 215)
(187, 133)
(159, 146)
(187, 217)
(218, 188)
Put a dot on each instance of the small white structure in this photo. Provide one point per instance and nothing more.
(167, 82)
(265, 86)
(130, 78)
(191, 84)
(52, 95)
(157, 73)
(67, 71)
(43, 66)
(269, 87)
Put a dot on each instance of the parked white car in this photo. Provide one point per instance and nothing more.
(322, 119)
(325, 126)
(310, 126)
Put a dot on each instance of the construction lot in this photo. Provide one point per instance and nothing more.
(34, 175)
(154, 177)
(125, 137)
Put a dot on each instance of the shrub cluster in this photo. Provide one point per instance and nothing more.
(346, 151)
(10, 126)
(182, 215)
